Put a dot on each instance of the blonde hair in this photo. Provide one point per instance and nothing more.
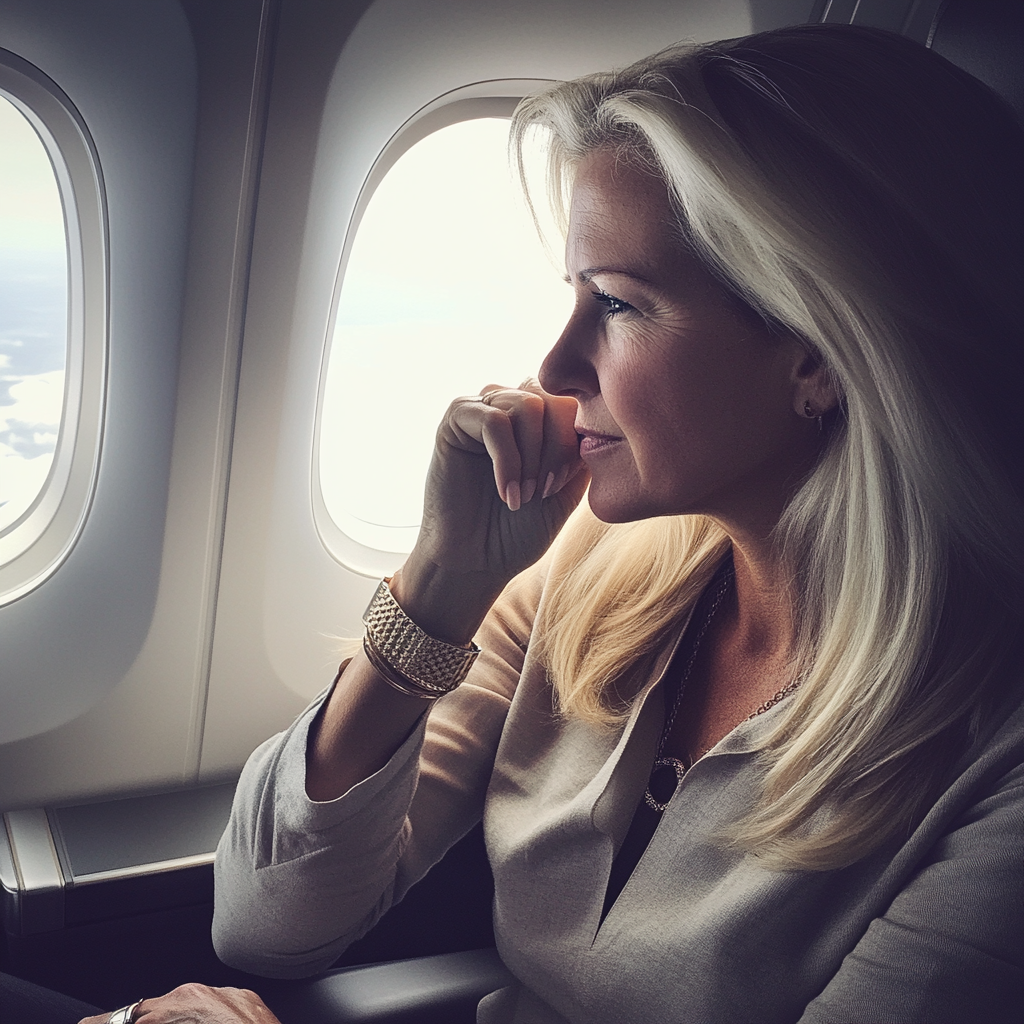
(862, 194)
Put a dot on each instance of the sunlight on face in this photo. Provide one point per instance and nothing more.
(448, 288)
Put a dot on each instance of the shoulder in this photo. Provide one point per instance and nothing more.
(993, 771)
(981, 812)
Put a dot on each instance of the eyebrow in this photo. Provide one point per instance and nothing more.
(586, 276)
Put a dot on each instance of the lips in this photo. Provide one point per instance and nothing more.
(592, 442)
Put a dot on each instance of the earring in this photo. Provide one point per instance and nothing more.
(812, 415)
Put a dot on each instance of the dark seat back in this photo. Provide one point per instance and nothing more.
(986, 39)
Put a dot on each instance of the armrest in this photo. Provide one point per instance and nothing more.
(443, 989)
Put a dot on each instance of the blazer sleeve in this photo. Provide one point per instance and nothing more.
(296, 881)
(950, 947)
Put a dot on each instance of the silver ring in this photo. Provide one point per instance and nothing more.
(125, 1015)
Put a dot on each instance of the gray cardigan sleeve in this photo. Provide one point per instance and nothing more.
(296, 881)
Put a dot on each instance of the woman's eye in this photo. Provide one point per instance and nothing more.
(613, 306)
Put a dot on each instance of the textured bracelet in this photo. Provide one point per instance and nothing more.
(396, 679)
(429, 666)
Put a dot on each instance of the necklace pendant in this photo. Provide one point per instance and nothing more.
(678, 768)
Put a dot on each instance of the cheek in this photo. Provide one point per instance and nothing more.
(631, 387)
(638, 359)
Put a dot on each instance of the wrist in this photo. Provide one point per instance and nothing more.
(406, 656)
(449, 606)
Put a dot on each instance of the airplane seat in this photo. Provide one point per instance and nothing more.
(441, 989)
(985, 38)
(92, 895)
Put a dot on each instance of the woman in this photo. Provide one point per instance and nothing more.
(747, 740)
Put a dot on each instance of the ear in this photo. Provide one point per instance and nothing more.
(814, 388)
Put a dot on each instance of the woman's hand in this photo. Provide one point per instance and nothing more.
(505, 476)
(497, 491)
(200, 1004)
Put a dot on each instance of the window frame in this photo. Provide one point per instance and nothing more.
(497, 98)
(34, 546)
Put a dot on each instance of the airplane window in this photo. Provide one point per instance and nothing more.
(33, 313)
(447, 288)
(53, 325)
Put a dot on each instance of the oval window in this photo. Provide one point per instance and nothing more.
(33, 314)
(447, 289)
(53, 325)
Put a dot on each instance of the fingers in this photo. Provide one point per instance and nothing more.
(529, 436)
(560, 442)
(516, 464)
(561, 445)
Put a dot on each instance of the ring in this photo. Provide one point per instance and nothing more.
(125, 1015)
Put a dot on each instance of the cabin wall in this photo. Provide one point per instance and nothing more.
(72, 651)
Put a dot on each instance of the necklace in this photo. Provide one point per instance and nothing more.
(677, 767)
(674, 763)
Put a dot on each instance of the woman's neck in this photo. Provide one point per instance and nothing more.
(757, 619)
(746, 656)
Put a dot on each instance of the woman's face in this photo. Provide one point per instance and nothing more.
(686, 403)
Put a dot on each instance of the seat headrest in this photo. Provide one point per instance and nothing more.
(986, 39)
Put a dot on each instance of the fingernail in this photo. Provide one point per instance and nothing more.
(512, 495)
(529, 490)
(547, 484)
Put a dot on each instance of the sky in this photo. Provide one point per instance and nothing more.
(33, 313)
(447, 289)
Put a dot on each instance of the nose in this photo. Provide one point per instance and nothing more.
(568, 369)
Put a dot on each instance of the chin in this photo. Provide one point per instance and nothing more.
(619, 508)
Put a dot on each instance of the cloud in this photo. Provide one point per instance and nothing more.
(29, 440)
(38, 398)
(30, 414)
(21, 480)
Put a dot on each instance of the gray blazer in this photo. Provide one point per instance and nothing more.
(929, 929)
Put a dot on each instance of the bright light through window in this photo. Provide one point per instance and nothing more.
(33, 313)
(447, 289)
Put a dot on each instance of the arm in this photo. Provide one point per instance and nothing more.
(325, 833)
(504, 478)
(305, 867)
(298, 880)
(950, 947)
